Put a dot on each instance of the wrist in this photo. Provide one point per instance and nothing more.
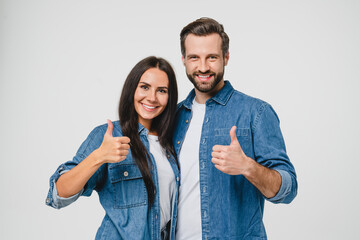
(98, 158)
(250, 168)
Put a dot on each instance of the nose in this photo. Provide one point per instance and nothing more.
(151, 96)
(203, 66)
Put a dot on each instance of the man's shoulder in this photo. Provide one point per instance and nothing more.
(254, 106)
(239, 97)
(183, 105)
(180, 104)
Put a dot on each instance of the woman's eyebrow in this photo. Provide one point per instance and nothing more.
(145, 83)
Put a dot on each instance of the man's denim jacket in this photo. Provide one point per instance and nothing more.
(231, 207)
(121, 190)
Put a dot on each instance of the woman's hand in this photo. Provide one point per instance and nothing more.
(112, 149)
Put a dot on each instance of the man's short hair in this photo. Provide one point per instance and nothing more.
(202, 27)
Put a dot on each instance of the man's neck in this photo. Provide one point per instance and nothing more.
(202, 97)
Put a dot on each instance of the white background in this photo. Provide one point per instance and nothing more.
(62, 67)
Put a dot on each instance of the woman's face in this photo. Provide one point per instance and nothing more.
(151, 95)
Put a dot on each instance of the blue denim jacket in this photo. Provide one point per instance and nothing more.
(121, 190)
(231, 207)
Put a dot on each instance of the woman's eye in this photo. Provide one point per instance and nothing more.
(162, 91)
(144, 87)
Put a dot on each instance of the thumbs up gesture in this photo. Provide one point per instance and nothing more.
(231, 159)
(113, 149)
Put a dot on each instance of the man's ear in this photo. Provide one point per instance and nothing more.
(227, 56)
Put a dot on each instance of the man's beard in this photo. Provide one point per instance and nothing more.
(206, 86)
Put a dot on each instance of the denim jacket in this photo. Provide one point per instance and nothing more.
(121, 190)
(231, 207)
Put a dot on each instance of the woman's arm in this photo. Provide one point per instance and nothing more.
(112, 150)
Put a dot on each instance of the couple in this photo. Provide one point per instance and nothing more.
(200, 169)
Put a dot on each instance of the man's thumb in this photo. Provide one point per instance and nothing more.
(233, 137)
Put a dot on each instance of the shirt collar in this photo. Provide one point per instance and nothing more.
(222, 97)
(142, 130)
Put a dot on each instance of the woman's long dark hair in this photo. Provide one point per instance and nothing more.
(163, 124)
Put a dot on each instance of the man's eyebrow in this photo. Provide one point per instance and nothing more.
(191, 55)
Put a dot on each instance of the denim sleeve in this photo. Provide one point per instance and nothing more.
(92, 142)
(270, 151)
(60, 202)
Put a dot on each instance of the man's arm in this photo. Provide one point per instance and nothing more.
(232, 160)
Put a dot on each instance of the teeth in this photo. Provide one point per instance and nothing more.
(204, 76)
(148, 106)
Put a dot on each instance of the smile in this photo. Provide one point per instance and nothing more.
(148, 108)
(203, 77)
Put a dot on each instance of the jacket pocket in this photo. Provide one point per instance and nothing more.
(129, 187)
(222, 137)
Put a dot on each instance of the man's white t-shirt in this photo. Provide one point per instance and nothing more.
(189, 207)
(166, 178)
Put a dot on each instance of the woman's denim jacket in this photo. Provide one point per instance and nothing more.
(231, 207)
(121, 190)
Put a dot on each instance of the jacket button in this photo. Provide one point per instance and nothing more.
(178, 142)
(126, 174)
(48, 200)
(187, 121)
(177, 179)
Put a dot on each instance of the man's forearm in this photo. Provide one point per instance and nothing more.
(266, 180)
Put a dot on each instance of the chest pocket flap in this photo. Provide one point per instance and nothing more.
(123, 172)
(222, 137)
(226, 132)
(129, 187)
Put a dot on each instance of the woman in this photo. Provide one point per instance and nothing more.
(130, 163)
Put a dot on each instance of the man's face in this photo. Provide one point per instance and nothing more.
(204, 62)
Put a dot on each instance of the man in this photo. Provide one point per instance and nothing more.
(231, 151)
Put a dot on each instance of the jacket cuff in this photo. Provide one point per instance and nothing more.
(285, 187)
(53, 199)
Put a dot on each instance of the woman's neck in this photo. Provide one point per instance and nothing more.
(153, 133)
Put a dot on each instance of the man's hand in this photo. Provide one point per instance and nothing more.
(231, 159)
(113, 149)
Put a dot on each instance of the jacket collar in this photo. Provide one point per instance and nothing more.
(142, 130)
(222, 97)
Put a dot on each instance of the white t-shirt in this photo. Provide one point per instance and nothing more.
(166, 178)
(189, 206)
